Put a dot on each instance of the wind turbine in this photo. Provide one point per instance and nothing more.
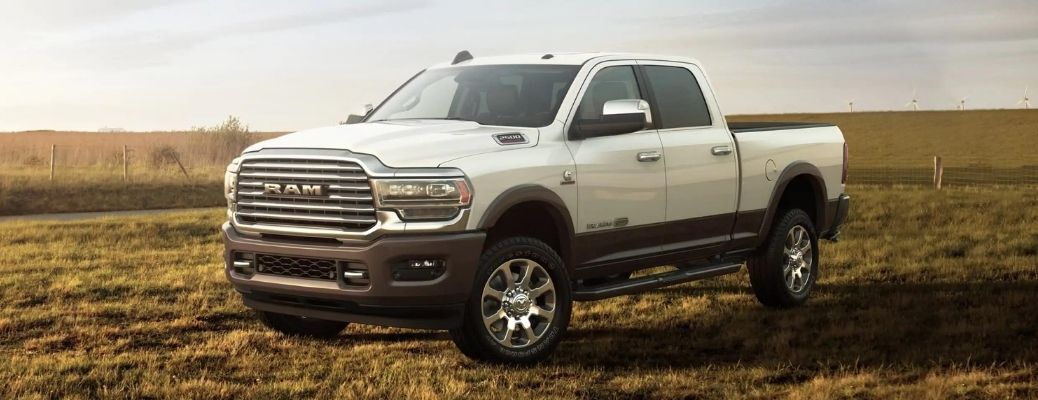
(914, 104)
(850, 106)
(962, 104)
(1026, 101)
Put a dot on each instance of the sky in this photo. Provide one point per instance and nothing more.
(288, 65)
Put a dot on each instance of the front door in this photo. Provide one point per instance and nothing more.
(621, 179)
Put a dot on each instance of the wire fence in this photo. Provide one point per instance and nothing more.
(196, 158)
(948, 171)
(69, 163)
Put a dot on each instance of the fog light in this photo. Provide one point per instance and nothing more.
(419, 269)
(425, 263)
(243, 264)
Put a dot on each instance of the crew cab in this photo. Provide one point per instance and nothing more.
(486, 195)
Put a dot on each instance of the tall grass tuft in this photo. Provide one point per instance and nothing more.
(223, 142)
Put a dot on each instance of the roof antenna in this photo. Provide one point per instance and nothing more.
(547, 56)
(462, 56)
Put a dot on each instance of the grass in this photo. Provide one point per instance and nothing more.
(929, 295)
(1000, 138)
(28, 191)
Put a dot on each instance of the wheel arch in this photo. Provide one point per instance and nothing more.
(523, 210)
(799, 185)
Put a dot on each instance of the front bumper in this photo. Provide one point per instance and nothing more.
(432, 304)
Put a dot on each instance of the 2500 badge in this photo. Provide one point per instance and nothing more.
(616, 223)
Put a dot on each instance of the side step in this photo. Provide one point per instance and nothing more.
(636, 285)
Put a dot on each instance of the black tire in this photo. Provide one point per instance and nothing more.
(301, 326)
(473, 337)
(767, 265)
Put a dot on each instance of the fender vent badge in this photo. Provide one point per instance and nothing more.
(506, 139)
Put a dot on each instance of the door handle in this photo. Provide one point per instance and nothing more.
(721, 150)
(649, 156)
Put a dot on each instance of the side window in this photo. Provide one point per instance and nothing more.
(679, 97)
(610, 83)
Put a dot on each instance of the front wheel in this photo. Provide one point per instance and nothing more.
(520, 304)
(785, 268)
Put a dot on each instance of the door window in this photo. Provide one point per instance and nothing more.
(679, 99)
(610, 83)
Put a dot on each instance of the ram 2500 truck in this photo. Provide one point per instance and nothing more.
(486, 195)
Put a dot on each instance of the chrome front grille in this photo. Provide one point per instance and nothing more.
(344, 203)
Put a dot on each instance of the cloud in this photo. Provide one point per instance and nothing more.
(159, 45)
(73, 13)
(324, 17)
(865, 23)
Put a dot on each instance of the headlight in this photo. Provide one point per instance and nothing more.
(233, 166)
(230, 182)
(230, 179)
(422, 199)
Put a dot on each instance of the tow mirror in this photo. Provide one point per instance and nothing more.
(618, 117)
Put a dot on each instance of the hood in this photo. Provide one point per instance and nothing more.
(404, 143)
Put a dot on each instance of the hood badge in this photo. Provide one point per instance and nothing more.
(511, 138)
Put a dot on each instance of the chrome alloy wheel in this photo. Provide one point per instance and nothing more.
(518, 303)
(799, 256)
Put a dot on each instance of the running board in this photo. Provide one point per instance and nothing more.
(637, 285)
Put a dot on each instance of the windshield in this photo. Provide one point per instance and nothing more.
(509, 95)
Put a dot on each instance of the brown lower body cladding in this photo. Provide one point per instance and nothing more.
(389, 293)
(376, 283)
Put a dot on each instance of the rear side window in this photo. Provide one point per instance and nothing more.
(679, 99)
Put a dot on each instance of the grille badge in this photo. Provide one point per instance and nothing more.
(293, 189)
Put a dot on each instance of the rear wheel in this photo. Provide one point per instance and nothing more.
(785, 269)
(301, 326)
(520, 304)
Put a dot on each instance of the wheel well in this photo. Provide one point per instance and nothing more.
(803, 192)
(534, 219)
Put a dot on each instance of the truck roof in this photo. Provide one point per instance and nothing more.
(562, 58)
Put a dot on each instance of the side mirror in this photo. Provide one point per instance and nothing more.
(618, 117)
(357, 118)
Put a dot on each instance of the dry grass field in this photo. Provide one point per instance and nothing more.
(984, 146)
(1002, 138)
(104, 150)
(929, 295)
(89, 170)
(92, 189)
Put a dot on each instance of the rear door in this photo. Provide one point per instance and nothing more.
(621, 200)
(701, 161)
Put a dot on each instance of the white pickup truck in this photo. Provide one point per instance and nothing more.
(485, 195)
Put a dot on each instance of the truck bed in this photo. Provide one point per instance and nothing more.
(772, 126)
(771, 147)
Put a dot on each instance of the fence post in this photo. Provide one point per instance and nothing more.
(52, 161)
(125, 168)
(938, 172)
(177, 159)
